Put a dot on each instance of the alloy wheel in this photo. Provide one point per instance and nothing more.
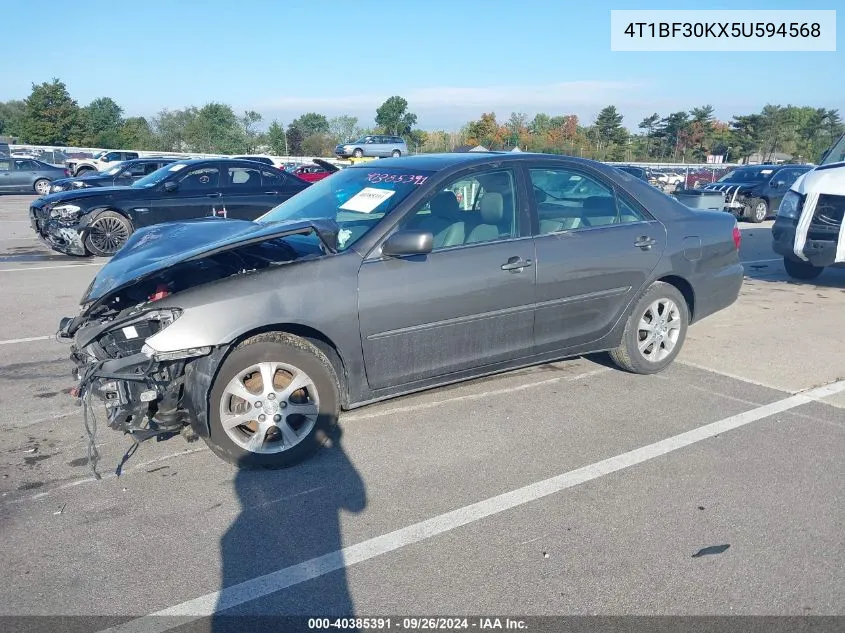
(658, 330)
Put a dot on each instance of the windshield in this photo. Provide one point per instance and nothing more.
(835, 154)
(747, 175)
(98, 155)
(152, 179)
(356, 199)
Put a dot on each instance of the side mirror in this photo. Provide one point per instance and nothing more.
(170, 186)
(408, 243)
(778, 184)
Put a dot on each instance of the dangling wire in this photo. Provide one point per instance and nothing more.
(91, 430)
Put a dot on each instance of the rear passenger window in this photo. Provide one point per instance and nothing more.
(568, 200)
(244, 178)
(271, 179)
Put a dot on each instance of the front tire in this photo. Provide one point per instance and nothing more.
(108, 233)
(274, 402)
(358, 153)
(655, 331)
(801, 270)
(758, 210)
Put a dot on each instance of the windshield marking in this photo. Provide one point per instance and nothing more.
(367, 200)
(408, 179)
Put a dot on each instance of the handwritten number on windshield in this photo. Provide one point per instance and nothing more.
(405, 179)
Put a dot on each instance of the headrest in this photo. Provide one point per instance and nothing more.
(445, 205)
(492, 208)
(600, 205)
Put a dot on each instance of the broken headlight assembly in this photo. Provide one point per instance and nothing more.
(65, 211)
(165, 317)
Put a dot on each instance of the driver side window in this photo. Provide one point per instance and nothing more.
(200, 179)
(469, 210)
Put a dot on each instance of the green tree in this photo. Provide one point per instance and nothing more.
(649, 124)
(103, 119)
(251, 136)
(343, 128)
(214, 129)
(295, 138)
(746, 134)
(136, 133)
(11, 117)
(51, 117)
(311, 123)
(276, 139)
(318, 145)
(393, 117)
(170, 129)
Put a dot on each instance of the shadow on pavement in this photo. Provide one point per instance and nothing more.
(288, 517)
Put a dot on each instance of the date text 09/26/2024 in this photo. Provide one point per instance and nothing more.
(418, 624)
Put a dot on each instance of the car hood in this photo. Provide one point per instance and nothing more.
(78, 194)
(721, 186)
(155, 248)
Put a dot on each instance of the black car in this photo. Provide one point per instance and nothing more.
(121, 175)
(99, 220)
(755, 192)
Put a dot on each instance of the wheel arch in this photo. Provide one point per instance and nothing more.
(685, 288)
(201, 374)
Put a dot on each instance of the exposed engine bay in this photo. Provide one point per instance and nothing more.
(147, 393)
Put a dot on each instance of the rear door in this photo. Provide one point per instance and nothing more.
(596, 248)
(243, 194)
(5, 174)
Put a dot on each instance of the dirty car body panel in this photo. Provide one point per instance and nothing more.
(162, 316)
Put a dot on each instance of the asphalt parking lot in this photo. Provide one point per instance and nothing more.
(571, 488)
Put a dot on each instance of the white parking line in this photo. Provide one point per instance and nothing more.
(762, 261)
(267, 584)
(12, 341)
(19, 270)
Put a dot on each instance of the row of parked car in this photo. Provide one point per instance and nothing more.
(97, 213)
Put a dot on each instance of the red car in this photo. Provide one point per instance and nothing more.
(315, 172)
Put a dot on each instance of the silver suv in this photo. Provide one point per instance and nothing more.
(374, 146)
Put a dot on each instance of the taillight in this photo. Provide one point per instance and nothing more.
(737, 237)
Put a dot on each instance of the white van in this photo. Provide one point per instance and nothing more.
(808, 231)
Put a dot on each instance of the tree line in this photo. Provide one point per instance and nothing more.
(50, 116)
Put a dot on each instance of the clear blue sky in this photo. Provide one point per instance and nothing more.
(452, 59)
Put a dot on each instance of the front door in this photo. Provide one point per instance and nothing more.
(198, 194)
(467, 304)
(595, 251)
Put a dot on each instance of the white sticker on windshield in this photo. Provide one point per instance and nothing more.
(343, 236)
(366, 200)
(177, 167)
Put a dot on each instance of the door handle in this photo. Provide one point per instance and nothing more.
(516, 264)
(270, 193)
(213, 195)
(645, 242)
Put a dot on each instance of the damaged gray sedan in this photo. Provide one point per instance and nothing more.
(387, 278)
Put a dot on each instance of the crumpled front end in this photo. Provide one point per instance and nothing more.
(59, 228)
(142, 391)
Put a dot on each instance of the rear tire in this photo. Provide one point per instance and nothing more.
(41, 186)
(801, 270)
(109, 232)
(758, 210)
(655, 331)
(287, 437)
(396, 153)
